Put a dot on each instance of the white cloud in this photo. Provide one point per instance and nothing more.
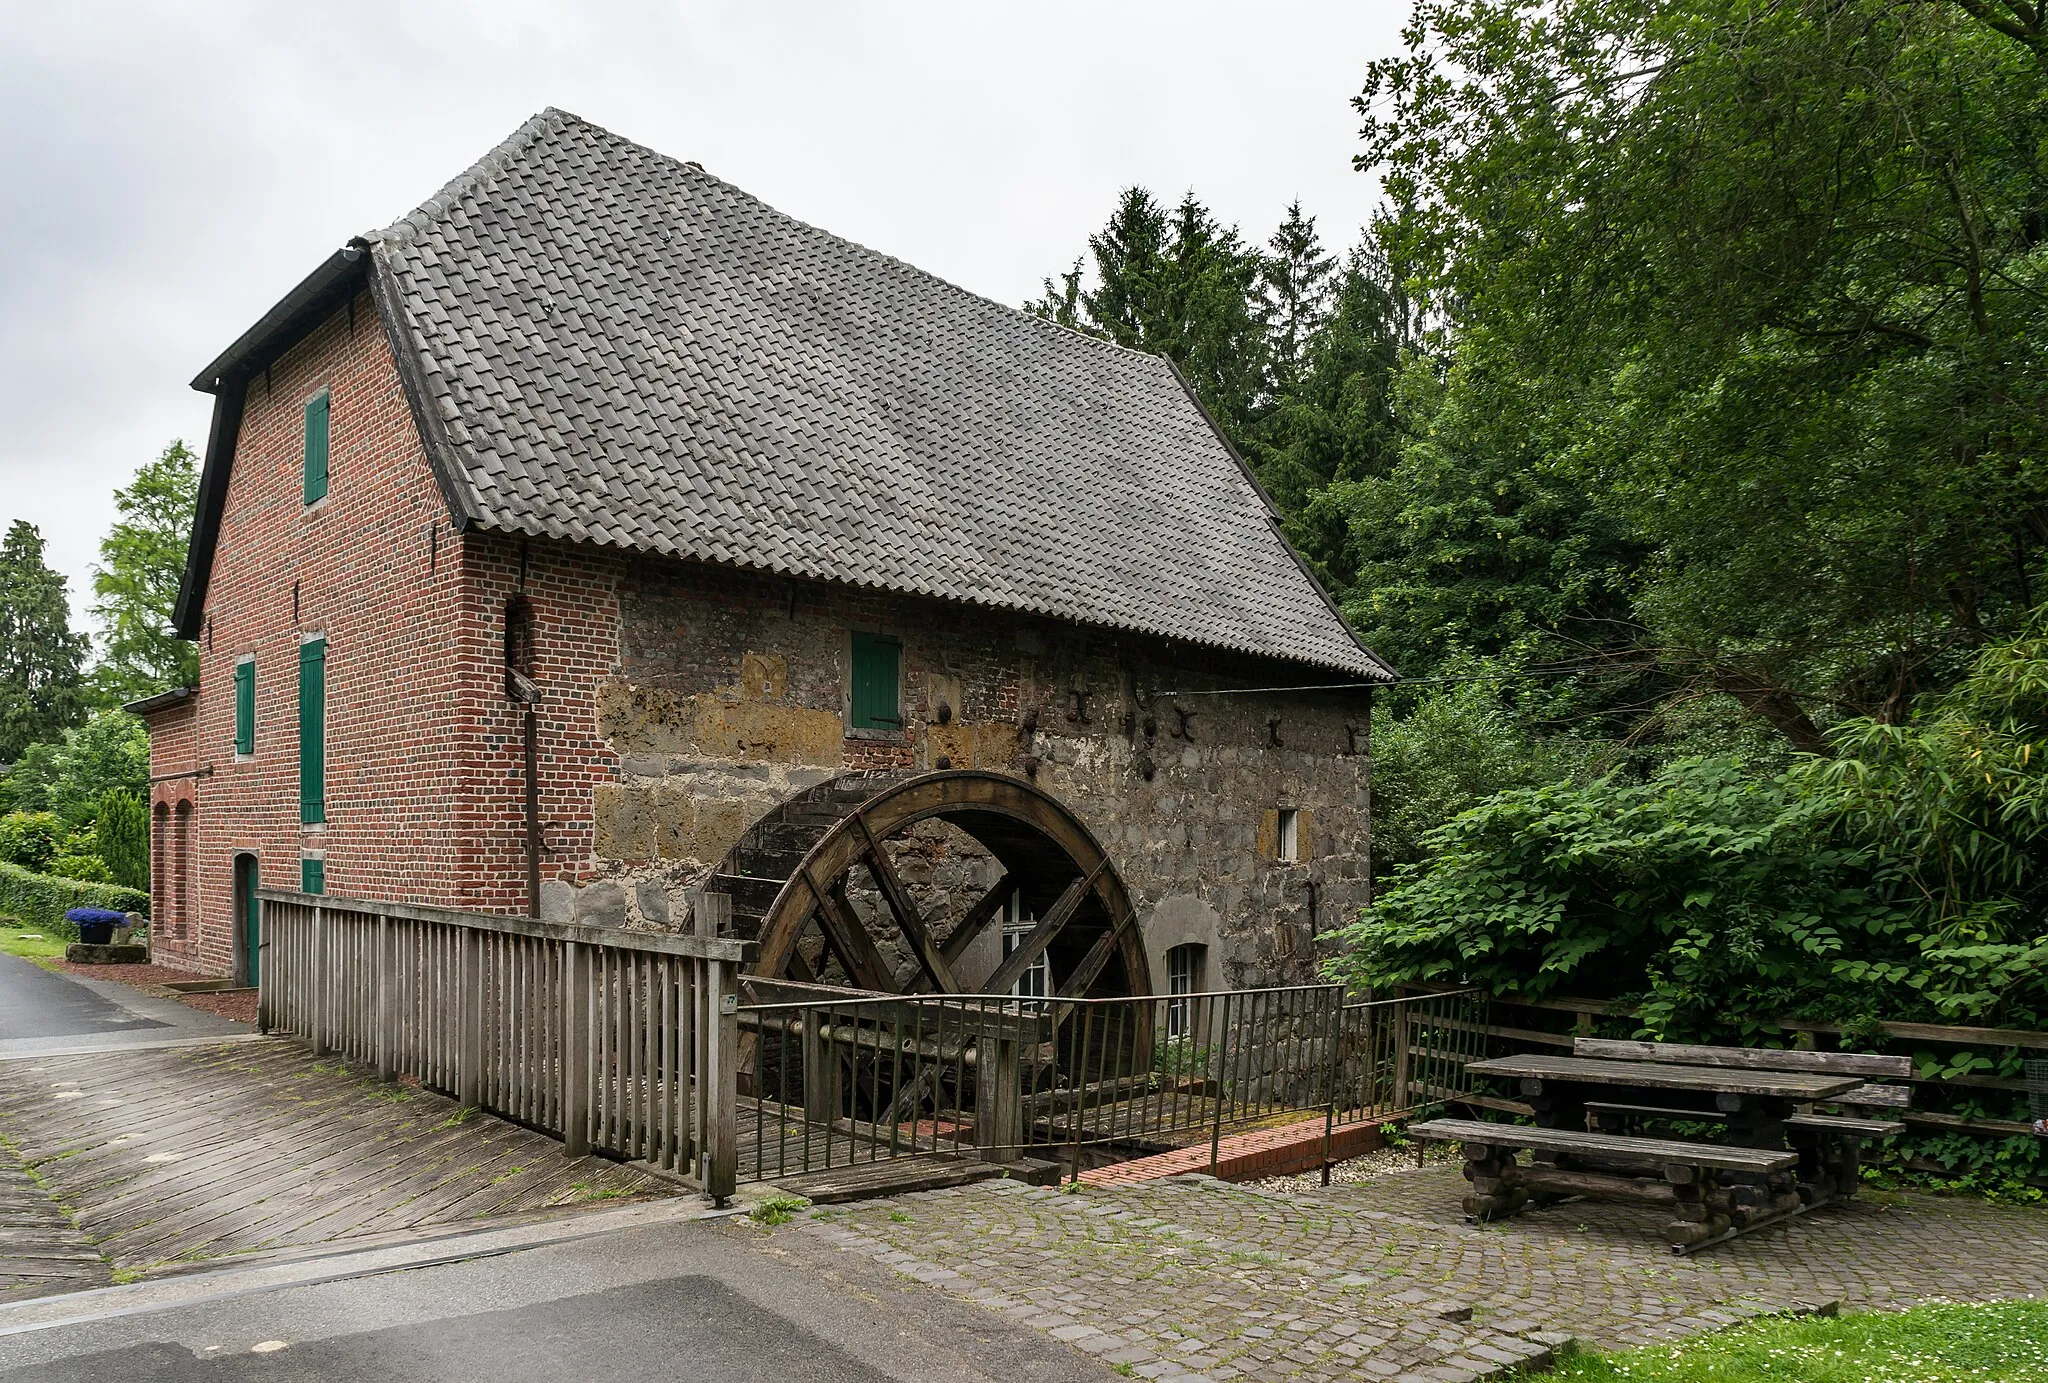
(174, 168)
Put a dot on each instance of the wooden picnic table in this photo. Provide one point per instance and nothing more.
(1753, 1103)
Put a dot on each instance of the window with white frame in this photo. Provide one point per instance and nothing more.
(1183, 977)
(1288, 845)
(1036, 981)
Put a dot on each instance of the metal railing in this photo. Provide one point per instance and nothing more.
(620, 1042)
(834, 1079)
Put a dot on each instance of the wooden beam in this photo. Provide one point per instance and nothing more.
(1034, 942)
(985, 910)
(908, 919)
(848, 939)
(1746, 1058)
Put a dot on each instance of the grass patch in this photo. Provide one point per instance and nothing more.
(777, 1210)
(2005, 1342)
(26, 943)
(591, 1191)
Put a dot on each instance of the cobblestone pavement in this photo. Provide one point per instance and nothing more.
(1190, 1278)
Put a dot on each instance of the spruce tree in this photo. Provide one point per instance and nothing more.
(41, 660)
(1295, 279)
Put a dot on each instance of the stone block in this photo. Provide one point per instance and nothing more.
(78, 953)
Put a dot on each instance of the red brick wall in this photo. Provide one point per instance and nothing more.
(173, 757)
(374, 569)
(573, 593)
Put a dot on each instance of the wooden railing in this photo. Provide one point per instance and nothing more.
(624, 1042)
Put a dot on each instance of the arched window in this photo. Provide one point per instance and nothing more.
(181, 866)
(159, 863)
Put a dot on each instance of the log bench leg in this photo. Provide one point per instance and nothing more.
(1491, 1198)
(1702, 1206)
(1822, 1165)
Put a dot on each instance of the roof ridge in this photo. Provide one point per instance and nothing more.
(554, 120)
(549, 119)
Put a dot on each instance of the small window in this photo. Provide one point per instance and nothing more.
(312, 874)
(313, 732)
(876, 658)
(1183, 977)
(1036, 981)
(316, 447)
(1287, 844)
(519, 654)
(245, 707)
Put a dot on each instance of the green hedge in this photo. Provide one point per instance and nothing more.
(41, 900)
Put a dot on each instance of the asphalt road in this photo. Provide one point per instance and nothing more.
(709, 1300)
(35, 1002)
(44, 1011)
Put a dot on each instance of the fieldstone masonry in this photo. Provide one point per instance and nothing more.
(730, 696)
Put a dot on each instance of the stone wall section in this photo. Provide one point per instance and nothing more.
(730, 695)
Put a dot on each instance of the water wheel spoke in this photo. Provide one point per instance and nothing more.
(985, 910)
(848, 939)
(1033, 945)
(909, 920)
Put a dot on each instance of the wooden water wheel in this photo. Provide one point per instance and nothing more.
(788, 878)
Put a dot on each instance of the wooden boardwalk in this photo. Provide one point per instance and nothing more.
(179, 1156)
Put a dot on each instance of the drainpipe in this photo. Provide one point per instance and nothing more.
(532, 812)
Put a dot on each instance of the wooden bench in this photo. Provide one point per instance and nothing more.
(1685, 1176)
(1830, 1145)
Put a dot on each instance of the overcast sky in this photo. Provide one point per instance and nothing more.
(174, 167)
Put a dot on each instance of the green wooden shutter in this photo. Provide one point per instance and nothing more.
(312, 876)
(245, 708)
(875, 659)
(313, 732)
(316, 448)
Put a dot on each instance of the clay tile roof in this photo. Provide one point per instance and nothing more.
(621, 348)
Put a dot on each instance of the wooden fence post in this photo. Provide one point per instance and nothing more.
(575, 1048)
(387, 1000)
(998, 1106)
(710, 913)
(1402, 1038)
(721, 1082)
(266, 983)
(469, 1087)
(316, 986)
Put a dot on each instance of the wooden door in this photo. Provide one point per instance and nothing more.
(248, 919)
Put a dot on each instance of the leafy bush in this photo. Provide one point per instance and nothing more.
(1713, 897)
(41, 900)
(30, 839)
(111, 750)
(1452, 749)
(1905, 878)
(89, 869)
(121, 837)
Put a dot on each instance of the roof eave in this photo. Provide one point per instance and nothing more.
(286, 324)
(162, 701)
(1389, 674)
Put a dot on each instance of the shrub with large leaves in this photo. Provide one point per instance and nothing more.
(1709, 895)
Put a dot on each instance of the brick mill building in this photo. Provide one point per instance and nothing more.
(597, 533)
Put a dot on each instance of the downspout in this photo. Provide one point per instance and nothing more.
(532, 811)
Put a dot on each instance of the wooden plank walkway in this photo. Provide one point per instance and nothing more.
(179, 1156)
(41, 1249)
